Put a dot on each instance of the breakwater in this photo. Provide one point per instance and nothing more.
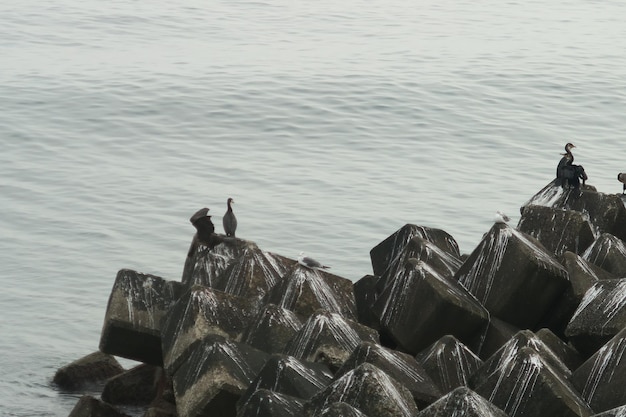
(530, 323)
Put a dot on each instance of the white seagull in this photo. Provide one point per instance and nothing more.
(310, 262)
(501, 217)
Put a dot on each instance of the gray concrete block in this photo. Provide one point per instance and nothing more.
(557, 229)
(200, 312)
(365, 295)
(253, 273)
(304, 291)
(340, 409)
(383, 254)
(367, 389)
(509, 354)
(400, 366)
(527, 386)
(137, 386)
(271, 329)
(90, 369)
(513, 276)
(328, 338)
(88, 406)
(606, 212)
(132, 323)
(449, 363)
(462, 402)
(419, 306)
(609, 253)
(205, 262)
(498, 333)
(600, 316)
(213, 377)
(565, 351)
(267, 403)
(601, 378)
(290, 376)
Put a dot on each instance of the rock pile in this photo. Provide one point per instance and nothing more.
(531, 323)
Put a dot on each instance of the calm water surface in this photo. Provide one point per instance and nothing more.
(331, 125)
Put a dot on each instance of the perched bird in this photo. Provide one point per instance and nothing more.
(229, 221)
(310, 262)
(567, 173)
(501, 217)
(567, 160)
(206, 230)
(621, 177)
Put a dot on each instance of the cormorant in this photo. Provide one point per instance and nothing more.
(621, 177)
(229, 221)
(310, 262)
(566, 161)
(206, 230)
(567, 172)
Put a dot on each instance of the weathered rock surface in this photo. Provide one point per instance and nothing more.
(266, 403)
(201, 312)
(253, 273)
(582, 276)
(304, 291)
(419, 306)
(509, 353)
(557, 229)
(609, 253)
(213, 377)
(340, 409)
(424, 298)
(418, 249)
(137, 386)
(616, 412)
(271, 329)
(600, 316)
(93, 368)
(328, 338)
(367, 389)
(290, 376)
(583, 273)
(513, 276)
(383, 254)
(526, 385)
(462, 402)
(132, 324)
(365, 295)
(402, 367)
(565, 352)
(602, 378)
(88, 406)
(449, 363)
(606, 212)
(498, 333)
(163, 405)
(205, 263)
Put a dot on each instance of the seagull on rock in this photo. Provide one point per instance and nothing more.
(310, 263)
(501, 217)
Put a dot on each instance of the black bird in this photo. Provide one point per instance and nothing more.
(567, 173)
(566, 161)
(206, 230)
(621, 177)
(229, 221)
